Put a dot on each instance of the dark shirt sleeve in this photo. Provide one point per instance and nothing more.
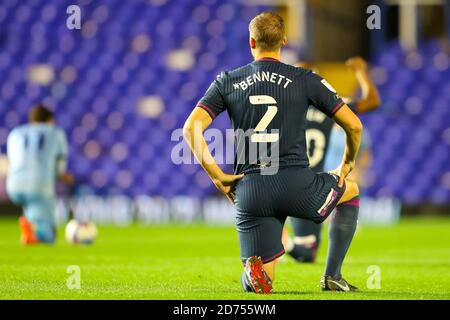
(322, 95)
(213, 101)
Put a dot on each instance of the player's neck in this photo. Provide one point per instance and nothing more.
(267, 55)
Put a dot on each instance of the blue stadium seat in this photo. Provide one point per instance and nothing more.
(99, 74)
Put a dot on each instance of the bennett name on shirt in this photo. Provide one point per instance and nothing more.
(263, 76)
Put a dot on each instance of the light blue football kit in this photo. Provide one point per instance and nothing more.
(37, 155)
(336, 149)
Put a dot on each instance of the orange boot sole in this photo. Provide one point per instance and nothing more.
(257, 277)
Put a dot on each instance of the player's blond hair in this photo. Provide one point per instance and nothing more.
(268, 30)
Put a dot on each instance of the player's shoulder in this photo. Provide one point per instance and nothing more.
(234, 73)
(226, 78)
(296, 69)
(250, 68)
(300, 74)
(308, 73)
(50, 129)
(19, 130)
(58, 132)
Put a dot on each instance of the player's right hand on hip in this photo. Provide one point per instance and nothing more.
(227, 183)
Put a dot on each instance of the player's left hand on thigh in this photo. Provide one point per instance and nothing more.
(344, 171)
(227, 184)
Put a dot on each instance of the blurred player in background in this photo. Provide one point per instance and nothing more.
(326, 144)
(269, 100)
(37, 156)
(334, 154)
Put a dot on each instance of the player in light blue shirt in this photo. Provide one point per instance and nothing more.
(37, 156)
(333, 157)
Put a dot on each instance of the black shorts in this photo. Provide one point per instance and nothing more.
(264, 201)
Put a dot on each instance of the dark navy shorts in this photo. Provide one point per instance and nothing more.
(263, 203)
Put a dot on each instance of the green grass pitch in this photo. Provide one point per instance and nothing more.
(202, 262)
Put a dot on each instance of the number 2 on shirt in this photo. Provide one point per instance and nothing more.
(262, 125)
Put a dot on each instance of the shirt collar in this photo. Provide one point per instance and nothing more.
(267, 59)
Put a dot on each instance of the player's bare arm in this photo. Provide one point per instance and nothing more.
(353, 128)
(370, 98)
(198, 121)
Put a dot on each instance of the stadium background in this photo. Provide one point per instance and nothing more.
(124, 83)
(129, 77)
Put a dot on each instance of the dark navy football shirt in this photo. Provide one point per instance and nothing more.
(267, 102)
(318, 132)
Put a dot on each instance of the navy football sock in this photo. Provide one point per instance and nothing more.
(303, 254)
(341, 231)
(304, 228)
